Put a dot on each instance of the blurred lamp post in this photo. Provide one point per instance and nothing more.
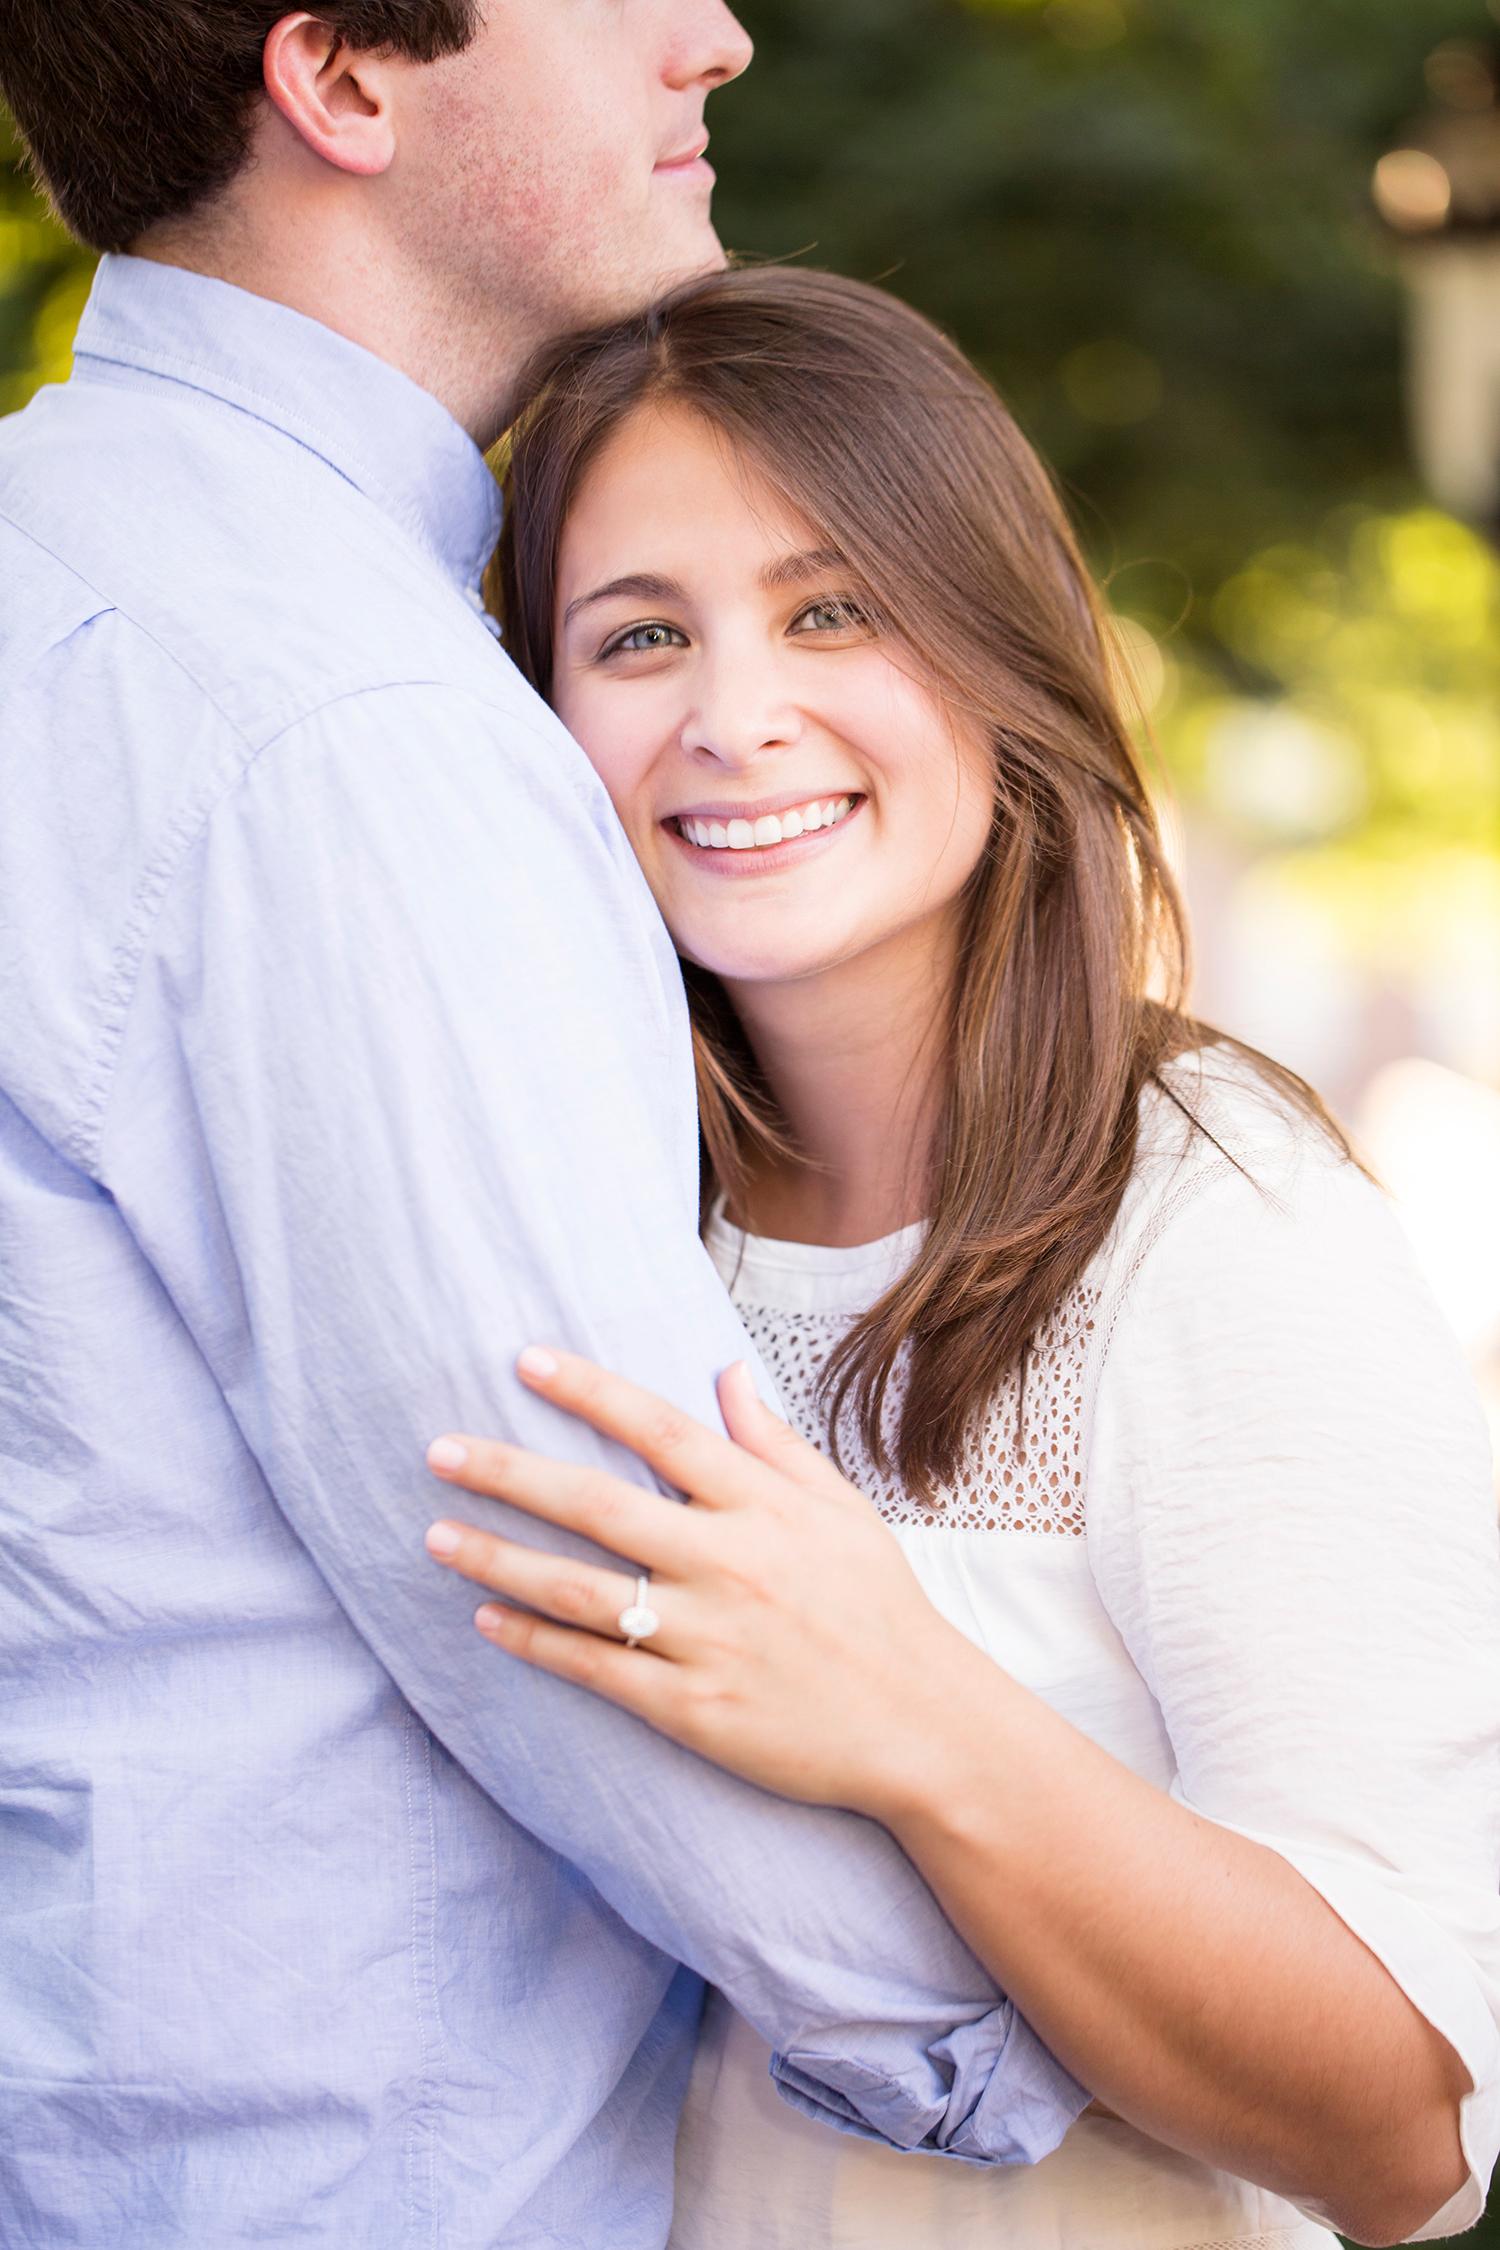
(1439, 192)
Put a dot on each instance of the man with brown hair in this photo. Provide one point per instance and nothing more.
(341, 1054)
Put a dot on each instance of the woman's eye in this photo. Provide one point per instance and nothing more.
(647, 639)
(831, 617)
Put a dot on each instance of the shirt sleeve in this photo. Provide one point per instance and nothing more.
(412, 1029)
(1292, 1523)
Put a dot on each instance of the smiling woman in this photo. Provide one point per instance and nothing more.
(807, 812)
(1172, 1665)
(780, 545)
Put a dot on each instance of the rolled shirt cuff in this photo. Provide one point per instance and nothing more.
(988, 2092)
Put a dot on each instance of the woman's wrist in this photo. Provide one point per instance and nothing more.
(949, 1748)
(996, 1797)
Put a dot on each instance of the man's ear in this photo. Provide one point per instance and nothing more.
(336, 98)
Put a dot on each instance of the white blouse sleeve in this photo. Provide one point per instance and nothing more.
(1292, 1523)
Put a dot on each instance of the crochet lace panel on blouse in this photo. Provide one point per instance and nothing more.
(1023, 1469)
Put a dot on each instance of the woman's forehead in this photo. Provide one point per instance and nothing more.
(670, 491)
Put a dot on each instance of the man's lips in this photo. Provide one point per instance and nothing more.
(686, 158)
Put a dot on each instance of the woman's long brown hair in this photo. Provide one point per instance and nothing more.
(876, 431)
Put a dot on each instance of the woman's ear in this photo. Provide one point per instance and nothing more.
(336, 98)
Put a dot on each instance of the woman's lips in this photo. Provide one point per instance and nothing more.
(748, 846)
(756, 832)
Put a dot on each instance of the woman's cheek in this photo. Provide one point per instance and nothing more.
(609, 750)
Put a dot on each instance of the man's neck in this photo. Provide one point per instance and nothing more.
(464, 355)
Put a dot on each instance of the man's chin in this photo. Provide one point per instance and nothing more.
(687, 253)
(712, 258)
(686, 261)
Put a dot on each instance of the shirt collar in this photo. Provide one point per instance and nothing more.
(377, 428)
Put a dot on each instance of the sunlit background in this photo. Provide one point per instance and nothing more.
(1236, 266)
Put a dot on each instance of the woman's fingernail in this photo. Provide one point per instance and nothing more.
(447, 1453)
(443, 1539)
(738, 1373)
(490, 1618)
(534, 1361)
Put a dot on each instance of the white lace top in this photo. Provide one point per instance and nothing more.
(1249, 1546)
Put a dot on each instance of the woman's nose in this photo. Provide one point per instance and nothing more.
(740, 713)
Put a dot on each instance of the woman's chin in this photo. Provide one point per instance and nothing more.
(736, 963)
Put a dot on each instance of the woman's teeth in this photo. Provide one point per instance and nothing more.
(771, 828)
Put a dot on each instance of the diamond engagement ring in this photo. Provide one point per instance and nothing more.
(640, 1621)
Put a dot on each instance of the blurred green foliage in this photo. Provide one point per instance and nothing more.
(1375, 649)
(1342, 728)
(44, 279)
(1150, 221)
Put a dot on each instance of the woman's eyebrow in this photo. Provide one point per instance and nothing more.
(639, 585)
(813, 562)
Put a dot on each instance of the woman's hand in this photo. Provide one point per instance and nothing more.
(795, 1645)
(1190, 1976)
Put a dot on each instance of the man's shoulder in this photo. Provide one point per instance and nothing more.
(228, 555)
(247, 653)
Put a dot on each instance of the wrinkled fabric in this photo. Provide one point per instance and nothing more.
(342, 1053)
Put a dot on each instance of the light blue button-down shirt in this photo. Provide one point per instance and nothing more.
(342, 1052)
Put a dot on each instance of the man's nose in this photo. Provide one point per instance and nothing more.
(712, 46)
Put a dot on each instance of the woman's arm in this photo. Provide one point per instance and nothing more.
(1189, 1975)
